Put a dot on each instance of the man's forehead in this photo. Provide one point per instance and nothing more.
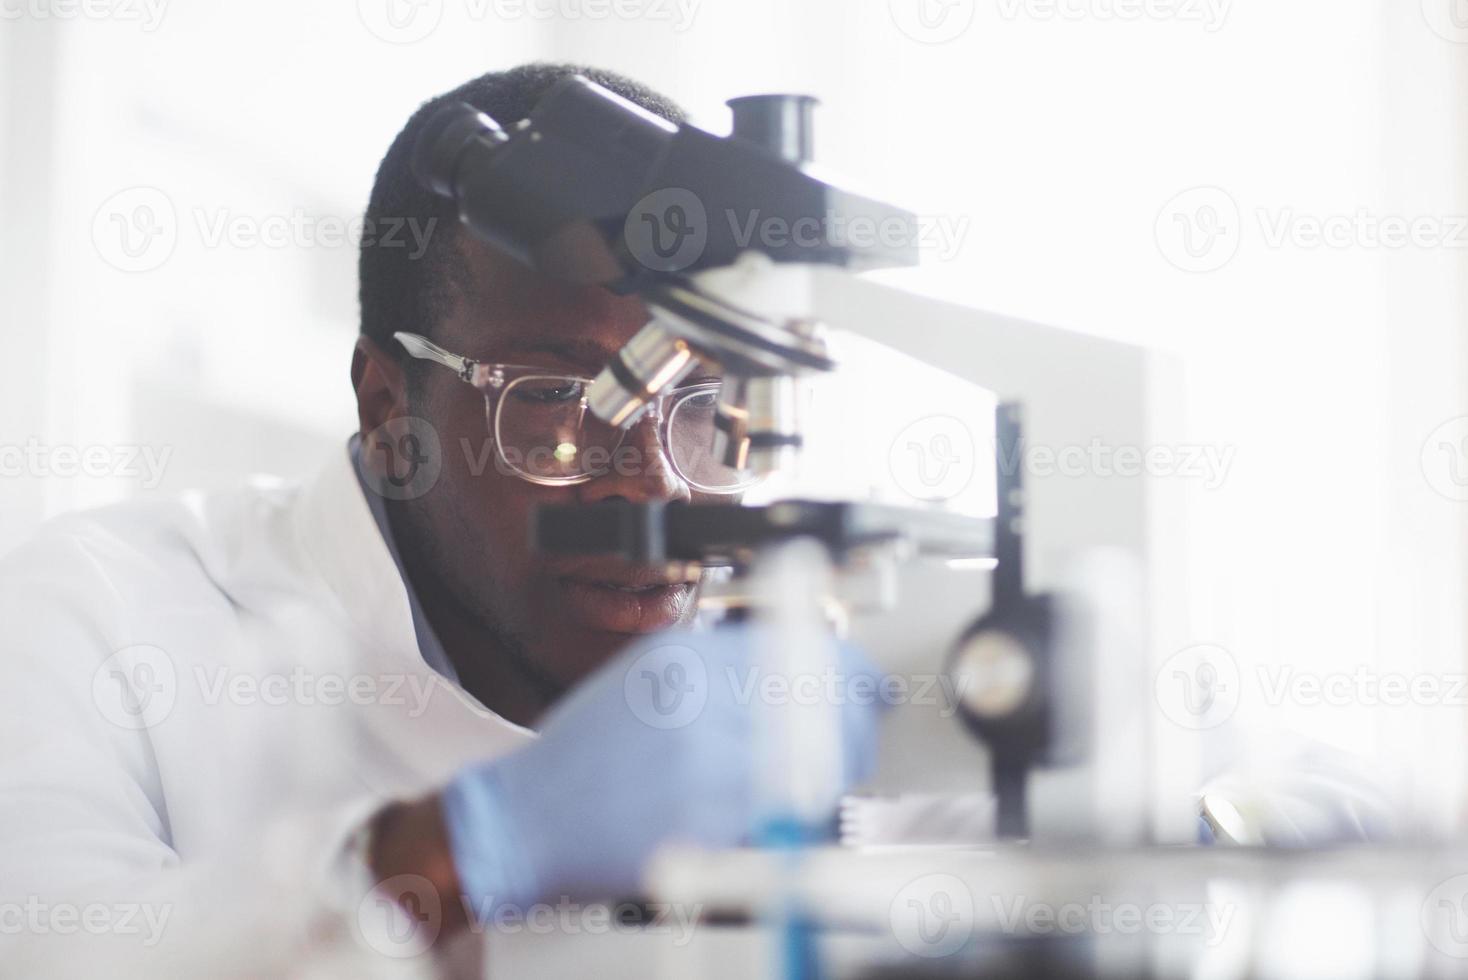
(505, 310)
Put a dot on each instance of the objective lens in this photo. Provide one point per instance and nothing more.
(651, 362)
(731, 423)
(691, 432)
(757, 426)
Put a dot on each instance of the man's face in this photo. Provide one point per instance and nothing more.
(569, 614)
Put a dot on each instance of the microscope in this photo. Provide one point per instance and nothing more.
(593, 189)
(1052, 780)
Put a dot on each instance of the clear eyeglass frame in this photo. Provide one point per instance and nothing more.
(493, 380)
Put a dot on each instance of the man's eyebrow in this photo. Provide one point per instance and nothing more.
(575, 350)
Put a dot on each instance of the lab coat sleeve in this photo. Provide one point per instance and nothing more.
(79, 800)
(89, 884)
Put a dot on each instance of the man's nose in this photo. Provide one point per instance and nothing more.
(640, 470)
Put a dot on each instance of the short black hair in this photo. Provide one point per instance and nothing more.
(401, 287)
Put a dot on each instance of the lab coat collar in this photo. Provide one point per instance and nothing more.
(343, 545)
(426, 637)
(345, 551)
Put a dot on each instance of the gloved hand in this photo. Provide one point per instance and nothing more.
(656, 746)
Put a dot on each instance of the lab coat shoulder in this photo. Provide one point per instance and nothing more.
(82, 798)
(88, 585)
(111, 619)
(211, 541)
(202, 700)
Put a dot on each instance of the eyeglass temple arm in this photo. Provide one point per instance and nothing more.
(427, 350)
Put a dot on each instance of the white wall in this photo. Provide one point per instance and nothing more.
(225, 352)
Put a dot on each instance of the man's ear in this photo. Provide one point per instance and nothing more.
(382, 391)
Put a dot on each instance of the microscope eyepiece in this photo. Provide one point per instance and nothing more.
(450, 132)
(780, 123)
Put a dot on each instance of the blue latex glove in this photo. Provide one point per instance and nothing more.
(654, 747)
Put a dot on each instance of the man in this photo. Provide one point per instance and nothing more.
(321, 688)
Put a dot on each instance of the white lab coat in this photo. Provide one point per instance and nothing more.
(202, 701)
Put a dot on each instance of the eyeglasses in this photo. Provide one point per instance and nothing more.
(543, 431)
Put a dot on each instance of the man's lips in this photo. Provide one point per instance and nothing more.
(638, 589)
(625, 598)
(624, 575)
